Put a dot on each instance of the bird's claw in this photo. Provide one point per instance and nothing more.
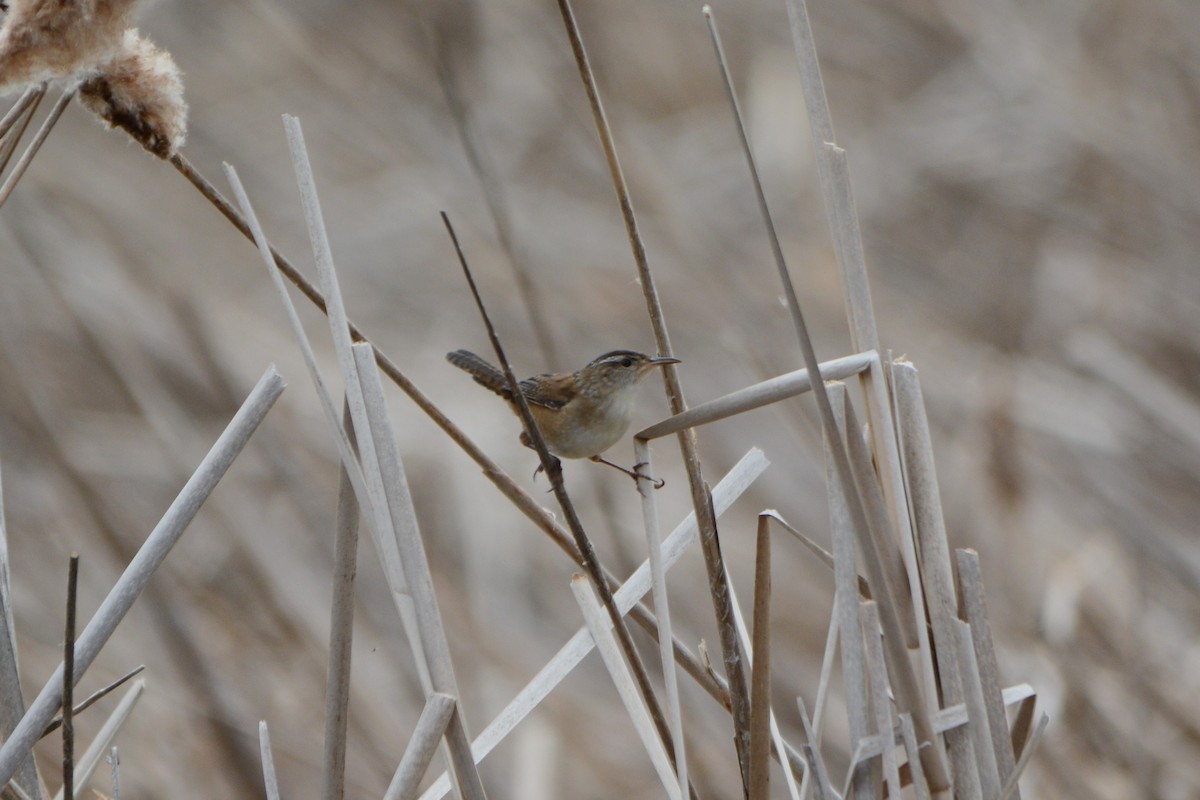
(637, 475)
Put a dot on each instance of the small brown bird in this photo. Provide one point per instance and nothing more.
(580, 414)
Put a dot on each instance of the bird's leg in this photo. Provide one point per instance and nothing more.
(634, 473)
(554, 464)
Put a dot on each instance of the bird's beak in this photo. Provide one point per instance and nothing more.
(662, 362)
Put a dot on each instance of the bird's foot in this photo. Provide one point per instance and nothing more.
(635, 473)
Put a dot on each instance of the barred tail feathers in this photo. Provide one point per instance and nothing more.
(484, 373)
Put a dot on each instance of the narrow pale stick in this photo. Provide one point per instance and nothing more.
(12, 703)
(411, 549)
(934, 552)
(816, 761)
(268, 761)
(658, 574)
(970, 584)
(977, 722)
(430, 728)
(635, 706)
(149, 557)
(913, 750)
(709, 539)
(39, 138)
(731, 487)
(1011, 787)
(782, 387)
(341, 636)
(868, 614)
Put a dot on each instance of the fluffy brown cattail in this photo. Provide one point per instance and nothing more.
(140, 91)
(54, 39)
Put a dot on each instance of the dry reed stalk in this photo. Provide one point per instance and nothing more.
(553, 469)
(823, 789)
(662, 606)
(710, 544)
(868, 615)
(520, 499)
(270, 781)
(68, 684)
(23, 114)
(630, 694)
(395, 519)
(974, 608)
(149, 557)
(773, 390)
(341, 633)
(782, 750)
(278, 267)
(732, 486)
(29, 97)
(912, 750)
(18, 170)
(429, 730)
(12, 703)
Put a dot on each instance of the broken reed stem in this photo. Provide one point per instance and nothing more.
(710, 545)
(878, 530)
(717, 687)
(143, 566)
(24, 116)
(760, 670)
(553, 469)
(39, 138)
(341, 631)
(270, 781)
(430, 728)
(68, 688)
(18, 108)
(662, 606)
(521, 500)
(618, 670)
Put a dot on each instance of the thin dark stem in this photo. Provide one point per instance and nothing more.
(32, 96)
(709, 540)
(95, 696)
(760, 671)
(68, 690)
(522, 500)
(10, 183)
(19, 107)
(715, 686)
(553, 470)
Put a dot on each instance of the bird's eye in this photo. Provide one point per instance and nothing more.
(625, 362)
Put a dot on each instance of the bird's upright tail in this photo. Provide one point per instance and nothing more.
(484, 373)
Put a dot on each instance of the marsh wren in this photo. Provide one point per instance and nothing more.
(580, 414)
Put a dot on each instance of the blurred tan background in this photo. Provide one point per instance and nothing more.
(1028, 182)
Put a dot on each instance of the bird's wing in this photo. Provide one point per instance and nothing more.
(548, 394)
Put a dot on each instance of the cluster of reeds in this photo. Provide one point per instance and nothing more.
(927, 712)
